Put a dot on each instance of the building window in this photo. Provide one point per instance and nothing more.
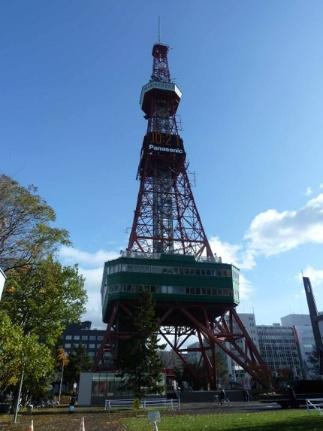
(100, 337)
(84, 337)
(76, 337)
(91, 346)
(92, 337)
(68, 337)
(67, 345)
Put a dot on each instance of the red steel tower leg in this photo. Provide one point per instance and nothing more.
(225, 331)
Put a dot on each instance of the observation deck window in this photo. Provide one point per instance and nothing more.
(175, 290)
(169, 269)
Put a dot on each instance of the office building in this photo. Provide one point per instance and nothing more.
(280, 350)
(82, 335)
(303, 328)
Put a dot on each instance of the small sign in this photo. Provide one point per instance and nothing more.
(2, 281)
(153, 417)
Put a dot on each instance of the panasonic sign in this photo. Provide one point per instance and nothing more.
(165, 149)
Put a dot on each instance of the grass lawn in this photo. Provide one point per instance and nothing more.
(280, 420)
(97, 420)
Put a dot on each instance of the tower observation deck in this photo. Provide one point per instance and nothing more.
(168, 253)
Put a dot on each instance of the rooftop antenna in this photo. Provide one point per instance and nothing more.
(159, 29)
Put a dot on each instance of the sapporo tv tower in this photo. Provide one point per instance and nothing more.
(168, 252)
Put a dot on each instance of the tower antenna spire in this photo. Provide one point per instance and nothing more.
(159, 29)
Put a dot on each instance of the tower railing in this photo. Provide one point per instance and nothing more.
(146, 255)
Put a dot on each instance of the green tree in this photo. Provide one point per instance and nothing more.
(41, 296)
(10, 351)
(139, 363)
(26, 234)
(78, 361)
(195, 373)
(20, 353)
(44, 298)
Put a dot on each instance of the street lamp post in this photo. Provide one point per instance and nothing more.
(19, 393)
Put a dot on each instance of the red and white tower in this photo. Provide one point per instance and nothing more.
(168, 252)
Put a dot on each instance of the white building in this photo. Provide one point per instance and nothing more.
(303, 328)
(279, 348)
(236, 373)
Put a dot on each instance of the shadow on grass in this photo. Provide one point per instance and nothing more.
(312, 422)
(59, 422)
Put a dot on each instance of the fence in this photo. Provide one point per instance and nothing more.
(144, 404)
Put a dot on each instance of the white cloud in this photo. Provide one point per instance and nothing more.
(272, 232)
(232, 253)
(315, 275)
(71, 255)
(308, 191)
(93, 278)
(236, 255)
(245, 288)
(321, 186)
(228, 252)
(91, 267)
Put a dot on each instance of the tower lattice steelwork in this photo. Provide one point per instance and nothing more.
(166, 218)
(168, 252)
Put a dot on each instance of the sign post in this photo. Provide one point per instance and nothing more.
(2, 281)
(153, 418)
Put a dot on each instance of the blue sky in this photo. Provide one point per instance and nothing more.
(252, 79)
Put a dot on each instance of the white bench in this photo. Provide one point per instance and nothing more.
(120, 404)
(315, 404)
(161, 402)
(144, 404)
